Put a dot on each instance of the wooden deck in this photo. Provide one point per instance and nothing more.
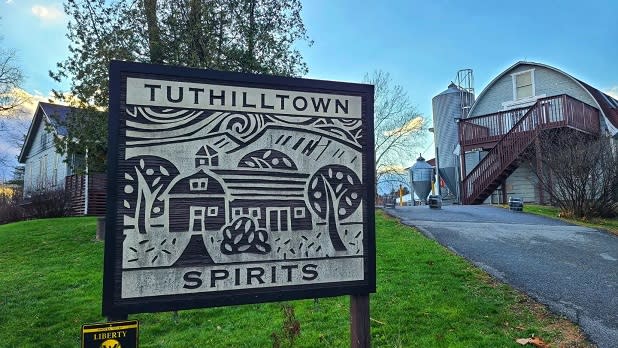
(509, 133)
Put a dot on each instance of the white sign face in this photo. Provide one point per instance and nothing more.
(223, 187)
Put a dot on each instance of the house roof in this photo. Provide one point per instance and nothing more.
(54, 115)
(183, 186)
(605, 103)
(57, 115)
(608, 104)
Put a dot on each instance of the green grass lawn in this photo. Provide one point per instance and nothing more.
(610, 225)
(51, 273)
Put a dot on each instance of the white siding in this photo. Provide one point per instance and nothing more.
(44, 167)
(522, 184)
(473, 158)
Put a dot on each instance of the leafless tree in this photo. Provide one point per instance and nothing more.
(398, 126)
(13, 128)
(579, 172)
(10, 79)
(11, 97)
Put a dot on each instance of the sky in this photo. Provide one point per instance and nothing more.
(422, 44)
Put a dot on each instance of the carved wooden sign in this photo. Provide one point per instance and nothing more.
(229, 188)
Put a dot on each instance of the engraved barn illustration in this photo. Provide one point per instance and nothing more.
(270, 201)
(216, 187)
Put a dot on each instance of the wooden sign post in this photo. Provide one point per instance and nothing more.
(229, 188)
(359, 321)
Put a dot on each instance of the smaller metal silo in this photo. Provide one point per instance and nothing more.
(421, 175)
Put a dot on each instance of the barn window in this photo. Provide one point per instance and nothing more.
(213, 211)
(236, 212)
(299, 212)
(523, 84)
(255, 212)
(199, 184)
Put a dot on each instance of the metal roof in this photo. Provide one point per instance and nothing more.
(607, 103)
(57, 115)
(53, 114)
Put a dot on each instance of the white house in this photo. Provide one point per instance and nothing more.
(47, 170)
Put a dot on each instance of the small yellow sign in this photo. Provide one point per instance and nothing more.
(118, 334)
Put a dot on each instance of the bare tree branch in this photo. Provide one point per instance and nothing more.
(579, 172)
(398, 126)
(10, 80)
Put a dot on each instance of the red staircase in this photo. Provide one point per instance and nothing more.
(503, 158)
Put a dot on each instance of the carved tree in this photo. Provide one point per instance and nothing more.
(335, 192)
(148, 178)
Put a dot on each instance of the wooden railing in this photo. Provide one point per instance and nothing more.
(488, 128)
(75, 188)
(546, 113)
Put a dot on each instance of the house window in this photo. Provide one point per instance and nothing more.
(54, 177)
(255, 212)
(213, 211)
(299, 212)
(44, 171)
(199, 184)
(236, 212)
(43, 138)
(196, 218)
(523, 85)
(278, 219)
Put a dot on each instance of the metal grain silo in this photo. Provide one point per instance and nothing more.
(421, 176)
(448, 106)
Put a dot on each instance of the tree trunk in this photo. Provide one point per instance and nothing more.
(154, 33)
(195, 28)
(141, 212)
(332, 220)
(251, 34)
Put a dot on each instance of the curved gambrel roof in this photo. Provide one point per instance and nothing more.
(605, 103)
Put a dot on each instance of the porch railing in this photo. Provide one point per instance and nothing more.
(488, 129)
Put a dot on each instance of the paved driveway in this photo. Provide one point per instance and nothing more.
(572, 269)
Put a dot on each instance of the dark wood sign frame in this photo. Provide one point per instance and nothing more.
(289, 97)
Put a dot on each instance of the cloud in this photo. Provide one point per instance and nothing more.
(48, 14)
(16, 123)
(613, 92)
(8, 2)
(411, 126)
(392, 168)
(28, 104)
